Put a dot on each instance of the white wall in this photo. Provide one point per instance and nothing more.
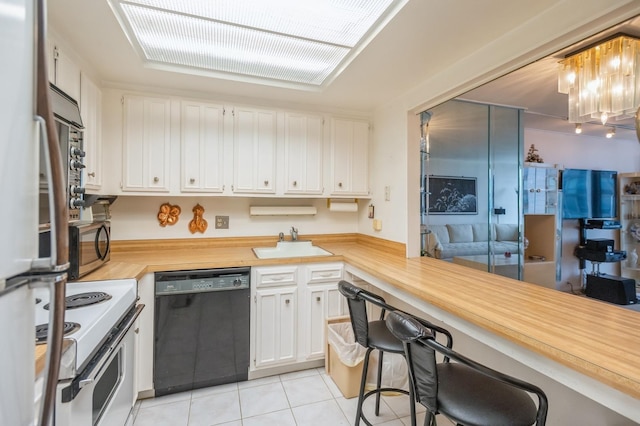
(135, 217)
(387, 168)
(583, 152)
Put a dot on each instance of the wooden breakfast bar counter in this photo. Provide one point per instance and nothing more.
(586, 345)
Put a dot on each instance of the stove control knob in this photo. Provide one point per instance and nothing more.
(77, 152)
(76, 203)
(237, 282)
(76, 165)
(76, 190)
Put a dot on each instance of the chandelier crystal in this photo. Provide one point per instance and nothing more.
(602, 81)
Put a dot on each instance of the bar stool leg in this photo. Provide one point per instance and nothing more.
(379, 382)
(363, 382)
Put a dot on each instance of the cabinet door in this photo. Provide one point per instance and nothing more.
(303, 154)
(67, 73)
(202, 147)
(254, 149)
(540, 190)
(91, 112)
(629, 213)
(144, 335)
(317, 314)
(349, 157)
(146, 144)
(323, 301)
(276, 326)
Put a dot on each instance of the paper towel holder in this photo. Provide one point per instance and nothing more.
(334, 205)
(342, 200)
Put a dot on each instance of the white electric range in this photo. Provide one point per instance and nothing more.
(96, 383)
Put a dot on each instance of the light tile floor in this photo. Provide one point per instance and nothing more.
(303, 398)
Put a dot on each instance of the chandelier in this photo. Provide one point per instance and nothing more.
(602, 81)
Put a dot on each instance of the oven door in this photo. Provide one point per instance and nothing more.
(103, 394)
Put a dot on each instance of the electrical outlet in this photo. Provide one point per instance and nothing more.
(387, 193)
(222, 222)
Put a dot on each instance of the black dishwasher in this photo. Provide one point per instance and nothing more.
(201, 328)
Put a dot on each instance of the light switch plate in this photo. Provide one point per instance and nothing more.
(222, 222)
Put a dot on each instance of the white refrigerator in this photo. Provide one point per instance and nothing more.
(23, 99)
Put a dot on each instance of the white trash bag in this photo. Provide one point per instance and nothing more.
(394, 368)
(340, 337)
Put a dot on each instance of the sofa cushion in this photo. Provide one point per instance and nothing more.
(506, 232)
(441, 232)
(460, 233)
(481, 232)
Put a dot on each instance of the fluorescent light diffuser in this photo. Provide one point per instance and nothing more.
(301, 42)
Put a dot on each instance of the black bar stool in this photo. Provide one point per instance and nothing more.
(466, 392)
(372, 335)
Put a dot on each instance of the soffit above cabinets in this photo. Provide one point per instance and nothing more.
(300, 44)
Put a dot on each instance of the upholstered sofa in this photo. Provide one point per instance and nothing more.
(447, 241)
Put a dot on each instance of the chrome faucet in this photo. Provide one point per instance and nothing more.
(281, 237)
(294, 234)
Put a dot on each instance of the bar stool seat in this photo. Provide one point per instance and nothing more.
(373, 335)
(465, 391)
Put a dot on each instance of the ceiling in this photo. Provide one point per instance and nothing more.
(398, 59)
(535, 88)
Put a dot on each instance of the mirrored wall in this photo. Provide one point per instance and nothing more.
(471, 165)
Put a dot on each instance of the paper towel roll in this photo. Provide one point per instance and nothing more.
(343, 207)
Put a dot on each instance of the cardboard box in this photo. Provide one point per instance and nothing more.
(346, 378)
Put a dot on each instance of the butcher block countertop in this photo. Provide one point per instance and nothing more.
(597, 339)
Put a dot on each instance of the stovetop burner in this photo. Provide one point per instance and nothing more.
(43, 329)
(84, 299)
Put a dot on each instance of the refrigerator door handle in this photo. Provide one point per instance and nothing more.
(48, 263)
(59, 219)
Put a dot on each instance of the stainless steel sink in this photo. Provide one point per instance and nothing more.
(290, 249)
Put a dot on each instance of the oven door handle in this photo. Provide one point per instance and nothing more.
(100, 361)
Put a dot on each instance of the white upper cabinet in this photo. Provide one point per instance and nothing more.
(146, 144)
(349, 157)
(63, 72)
(91, 113)
(254, 150)
(202, 144)
(303, 150)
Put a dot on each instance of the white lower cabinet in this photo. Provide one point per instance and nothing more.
(274, 315)
(276, 337)
(291, 306)
(144, 335)
(323, 301)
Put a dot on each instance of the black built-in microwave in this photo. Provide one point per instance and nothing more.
(89, 247)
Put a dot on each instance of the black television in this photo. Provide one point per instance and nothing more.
(589, 194)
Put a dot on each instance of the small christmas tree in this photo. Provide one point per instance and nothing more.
(532, 155)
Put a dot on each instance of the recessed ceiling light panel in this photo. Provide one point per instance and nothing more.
(300, 42)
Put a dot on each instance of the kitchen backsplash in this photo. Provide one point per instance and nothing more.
(135, 217)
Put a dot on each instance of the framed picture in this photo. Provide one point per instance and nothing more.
(453, 195)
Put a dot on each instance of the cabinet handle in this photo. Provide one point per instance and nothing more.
(532, 190)
(137, 330)
(156, 179)
(538, 190)
(277, 278)
(295, 183)
(325, 275)
(192, 180)
(266, 183)
(339, 184)
(286, 301)
(92, 174)
(317, 298)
